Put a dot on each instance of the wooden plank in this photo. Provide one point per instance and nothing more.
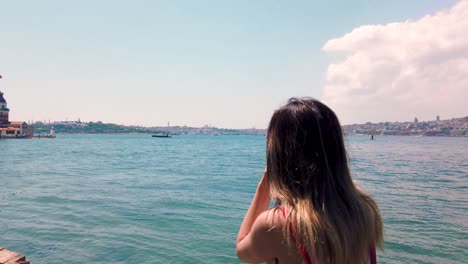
(6, 255)
(18, 259)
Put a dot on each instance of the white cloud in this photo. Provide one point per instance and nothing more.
(401, 70)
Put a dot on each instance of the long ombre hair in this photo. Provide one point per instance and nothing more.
(309, 176)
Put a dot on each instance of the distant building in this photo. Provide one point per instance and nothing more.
(4, 111)
(438, 118)
(415, 120)
(13, 129)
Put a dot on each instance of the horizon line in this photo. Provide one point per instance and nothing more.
(210, 126)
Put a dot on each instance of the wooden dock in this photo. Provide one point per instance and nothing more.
(10, 257)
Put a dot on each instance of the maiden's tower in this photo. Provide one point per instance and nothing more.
(12, 129)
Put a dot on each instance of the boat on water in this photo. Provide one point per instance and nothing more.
(50, 135)
(166, 135)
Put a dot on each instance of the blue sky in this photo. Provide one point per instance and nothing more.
(225, 63)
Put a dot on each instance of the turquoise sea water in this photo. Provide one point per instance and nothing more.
(137, 199)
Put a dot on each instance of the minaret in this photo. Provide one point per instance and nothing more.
(4, 112)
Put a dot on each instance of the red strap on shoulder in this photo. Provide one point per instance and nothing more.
(282, 211)
(373, 256)
(305, 254)
(302, 250)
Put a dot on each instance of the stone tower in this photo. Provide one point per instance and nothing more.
(4, 112)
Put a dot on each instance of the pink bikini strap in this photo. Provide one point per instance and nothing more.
(373, 256)
(300, 247)
(305, 254)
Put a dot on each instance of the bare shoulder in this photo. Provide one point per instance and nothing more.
(271, 220)
(264, 241)
(269, 225)
(272, 223)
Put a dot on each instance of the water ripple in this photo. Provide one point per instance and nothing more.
(135, 199)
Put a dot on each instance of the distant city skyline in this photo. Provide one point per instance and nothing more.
(232, 64)
(409, 120)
